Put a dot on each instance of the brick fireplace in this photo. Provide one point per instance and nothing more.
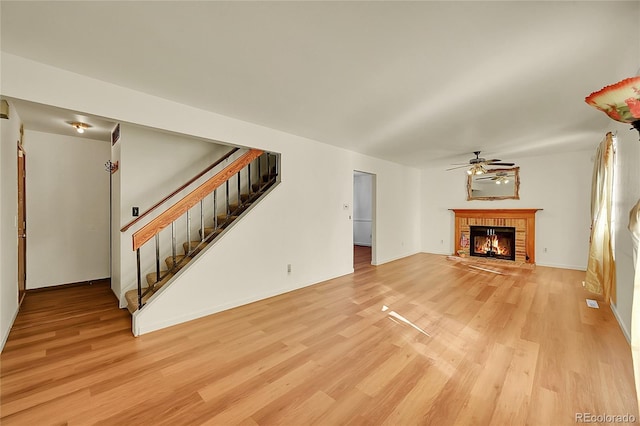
(494, 224)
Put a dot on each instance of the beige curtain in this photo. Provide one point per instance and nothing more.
(601, 271)
(634, 227)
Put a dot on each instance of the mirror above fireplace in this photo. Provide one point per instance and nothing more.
(496, 184)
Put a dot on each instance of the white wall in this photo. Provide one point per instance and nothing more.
(152, 165)
(362, 208)
(67, 209)
(559, 184)
(9, 136)
(627, 193)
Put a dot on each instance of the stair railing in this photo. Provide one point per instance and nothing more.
(181, 188)
(247, 191)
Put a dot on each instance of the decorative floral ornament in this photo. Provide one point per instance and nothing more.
(620, 101)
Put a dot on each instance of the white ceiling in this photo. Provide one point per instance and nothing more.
(49, 119)
(418, 83)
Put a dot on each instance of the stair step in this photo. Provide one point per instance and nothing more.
(169, 261)
(209, 229)
(151, 278)
(132, 299)
(270, 176)
(224, 220)
(234, 208)
(194, 245)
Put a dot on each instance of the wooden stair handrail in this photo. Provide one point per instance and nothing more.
(148, 231)
(189, 182)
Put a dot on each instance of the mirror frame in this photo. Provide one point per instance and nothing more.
(516, 185)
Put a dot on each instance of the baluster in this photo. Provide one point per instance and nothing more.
(215, 208)
(239, 200)
(188, 230)
(201, 222)
(227, 186)
(277, 164)
(139, 280)
(157, 257)
(248, 181)
(268, 166)
(173, 242)
(259, 171)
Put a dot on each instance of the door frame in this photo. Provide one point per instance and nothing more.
(374, 244)
(22, 217)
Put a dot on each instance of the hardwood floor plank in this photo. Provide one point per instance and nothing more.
(421, 340)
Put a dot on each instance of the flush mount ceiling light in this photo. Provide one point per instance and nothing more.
(79, 126)
(620, 101)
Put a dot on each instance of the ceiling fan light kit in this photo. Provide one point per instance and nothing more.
(620, 101)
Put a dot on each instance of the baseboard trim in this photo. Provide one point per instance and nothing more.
(382, 262)
(445, 253)
(6, 336)
(553, 265)
(60, 286)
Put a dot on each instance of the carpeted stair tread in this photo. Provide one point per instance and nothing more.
(194, 245)
(132, 299)
(224, 220)
(151, 278)
(209, 229)
(179, 257)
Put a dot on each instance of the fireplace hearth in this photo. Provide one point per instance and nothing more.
(497, 242)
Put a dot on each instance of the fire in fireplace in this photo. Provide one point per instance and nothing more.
(493, 241)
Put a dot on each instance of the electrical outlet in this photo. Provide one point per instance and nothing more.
(135, 211)
(289, 268)
(545, 250)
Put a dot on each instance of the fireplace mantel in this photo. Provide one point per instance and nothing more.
(521, 219)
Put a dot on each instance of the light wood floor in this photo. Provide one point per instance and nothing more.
(422, 340)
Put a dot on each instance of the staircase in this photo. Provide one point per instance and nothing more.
(232, 192)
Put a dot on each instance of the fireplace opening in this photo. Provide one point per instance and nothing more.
(493, 241)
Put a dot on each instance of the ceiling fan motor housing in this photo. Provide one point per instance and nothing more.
(477, 159)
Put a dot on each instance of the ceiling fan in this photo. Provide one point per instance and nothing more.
(478, 164)
(500, 177)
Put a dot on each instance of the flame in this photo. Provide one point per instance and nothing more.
(492, 243)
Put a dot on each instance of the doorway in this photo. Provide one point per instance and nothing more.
(363, 219)
(22, 219)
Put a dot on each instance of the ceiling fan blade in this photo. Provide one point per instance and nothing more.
(501, 164)
(457, 167)
(492, 160)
